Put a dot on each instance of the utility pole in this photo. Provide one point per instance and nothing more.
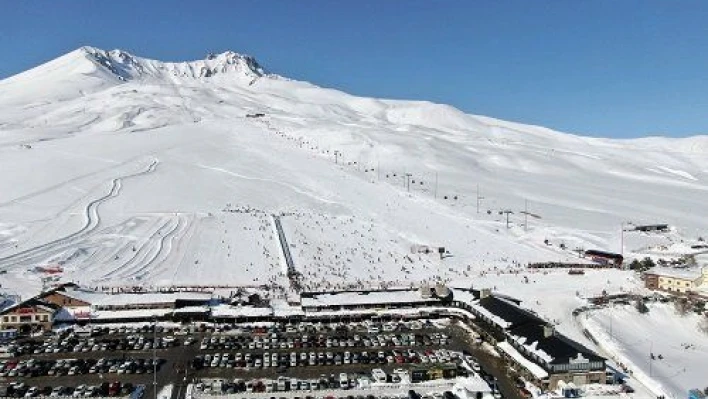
(154, 355)
(336, 156)
(408, 181)
(507, 217)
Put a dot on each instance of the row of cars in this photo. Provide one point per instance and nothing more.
(60, 367)
(300, 328)
(77, 344)
(144, 328)
(22, 390)
(280, 341)
(311, 328)
(341, 381)
(301, 359)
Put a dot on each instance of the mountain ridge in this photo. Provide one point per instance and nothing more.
(127, 66)
(89, 69)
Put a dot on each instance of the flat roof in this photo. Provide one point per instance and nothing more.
(96, 298)
(240, 311)
(363, 298)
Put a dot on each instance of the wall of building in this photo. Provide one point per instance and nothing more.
(676, 284)
(590, 377)
(21, 317)
(60, 299)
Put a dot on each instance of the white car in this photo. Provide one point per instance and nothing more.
(79, 391)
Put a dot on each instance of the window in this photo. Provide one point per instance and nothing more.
(25, 319)
(14, 319)
(5, 319)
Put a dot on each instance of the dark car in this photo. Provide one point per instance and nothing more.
(103, 389)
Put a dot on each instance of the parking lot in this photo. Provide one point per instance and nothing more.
(307, 357)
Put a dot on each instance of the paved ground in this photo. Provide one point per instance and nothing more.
(176, 368)
(490, 363)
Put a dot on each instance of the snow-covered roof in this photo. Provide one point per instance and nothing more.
(129, 314)
(682, 273)
(463, 296)
(364, 298)
(282, 309)
(532, 347)
(468, 386)
(491, 316)
(239, 311)
(532, 367)
(125, 299)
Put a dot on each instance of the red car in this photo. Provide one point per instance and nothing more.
(114, 388)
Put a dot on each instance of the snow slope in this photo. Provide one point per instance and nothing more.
(76, 126)
(632, 337)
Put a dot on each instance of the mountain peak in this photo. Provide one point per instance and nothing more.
(125, 66)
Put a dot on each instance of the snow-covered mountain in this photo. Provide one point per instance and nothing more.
(102, 150)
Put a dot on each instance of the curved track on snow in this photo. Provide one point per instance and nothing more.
(93, 220)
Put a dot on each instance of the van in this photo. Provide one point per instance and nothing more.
(379, 375)
(343, 381)
(281, 384)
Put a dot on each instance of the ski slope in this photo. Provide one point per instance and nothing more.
(125, 154)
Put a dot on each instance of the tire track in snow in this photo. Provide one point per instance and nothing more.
(93, 220)
(165, 245)
(62, 184)
(150, 253)
(138, 255)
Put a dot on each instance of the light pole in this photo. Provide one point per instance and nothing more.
(479, 200)
(336, 156)
(651, 357)
(154, 355)
(408, 181)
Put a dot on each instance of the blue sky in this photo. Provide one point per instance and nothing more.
(602, 68)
